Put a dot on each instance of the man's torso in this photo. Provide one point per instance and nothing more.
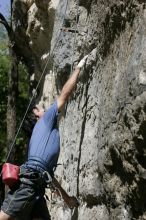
(44, 146)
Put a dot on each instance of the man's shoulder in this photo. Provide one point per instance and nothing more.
(52, 112)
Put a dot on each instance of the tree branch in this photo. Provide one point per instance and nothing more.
(5, 23)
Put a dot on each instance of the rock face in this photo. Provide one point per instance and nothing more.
(103, 126)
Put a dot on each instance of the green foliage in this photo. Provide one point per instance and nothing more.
(23, 88)
(21, 105)
(3, 34)
(4, 68)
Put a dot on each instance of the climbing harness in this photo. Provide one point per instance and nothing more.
(48, 178)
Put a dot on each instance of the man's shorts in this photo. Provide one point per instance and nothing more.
(21, 200)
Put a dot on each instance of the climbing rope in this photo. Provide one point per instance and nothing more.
(44, 69)
(73, 48)
(76, 30)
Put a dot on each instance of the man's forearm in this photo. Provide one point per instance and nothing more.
(70, 84)
(64, 195)
(68, 88)
(71, 201)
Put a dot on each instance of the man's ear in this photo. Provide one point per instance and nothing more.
(35, 110)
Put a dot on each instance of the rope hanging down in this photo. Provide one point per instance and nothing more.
(76, 31)
(45, 66)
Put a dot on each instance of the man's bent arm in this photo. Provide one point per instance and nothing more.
(69, 85)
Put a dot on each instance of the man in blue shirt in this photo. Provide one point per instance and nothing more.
(43, 153)
(46, 135)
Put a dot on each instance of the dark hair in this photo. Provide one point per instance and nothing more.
(29, 124)
(32, 106)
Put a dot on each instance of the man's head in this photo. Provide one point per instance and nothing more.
(34, 114)
(38, 112)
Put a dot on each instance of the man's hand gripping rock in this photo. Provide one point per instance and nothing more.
(82, 62)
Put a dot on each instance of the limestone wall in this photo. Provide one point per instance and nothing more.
(103, 126)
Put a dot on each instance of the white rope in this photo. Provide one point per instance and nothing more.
(48, 59)
(76, 29)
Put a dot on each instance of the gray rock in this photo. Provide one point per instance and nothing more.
(103, 127)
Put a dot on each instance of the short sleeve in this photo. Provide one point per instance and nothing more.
(50, 116)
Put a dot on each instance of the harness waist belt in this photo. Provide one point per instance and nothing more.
(31, 177)
(37, 163)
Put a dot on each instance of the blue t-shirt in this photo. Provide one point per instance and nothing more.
(44, 146)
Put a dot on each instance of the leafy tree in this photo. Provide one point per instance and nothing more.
(21, 102)
(9, 92)
(3, 35)
(4, 68)
(12, 88)
(21, 106)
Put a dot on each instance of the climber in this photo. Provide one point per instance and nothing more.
(43, 153)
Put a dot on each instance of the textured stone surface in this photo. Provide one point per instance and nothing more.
(103, 127)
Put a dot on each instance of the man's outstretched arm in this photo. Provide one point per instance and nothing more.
(69, 85)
